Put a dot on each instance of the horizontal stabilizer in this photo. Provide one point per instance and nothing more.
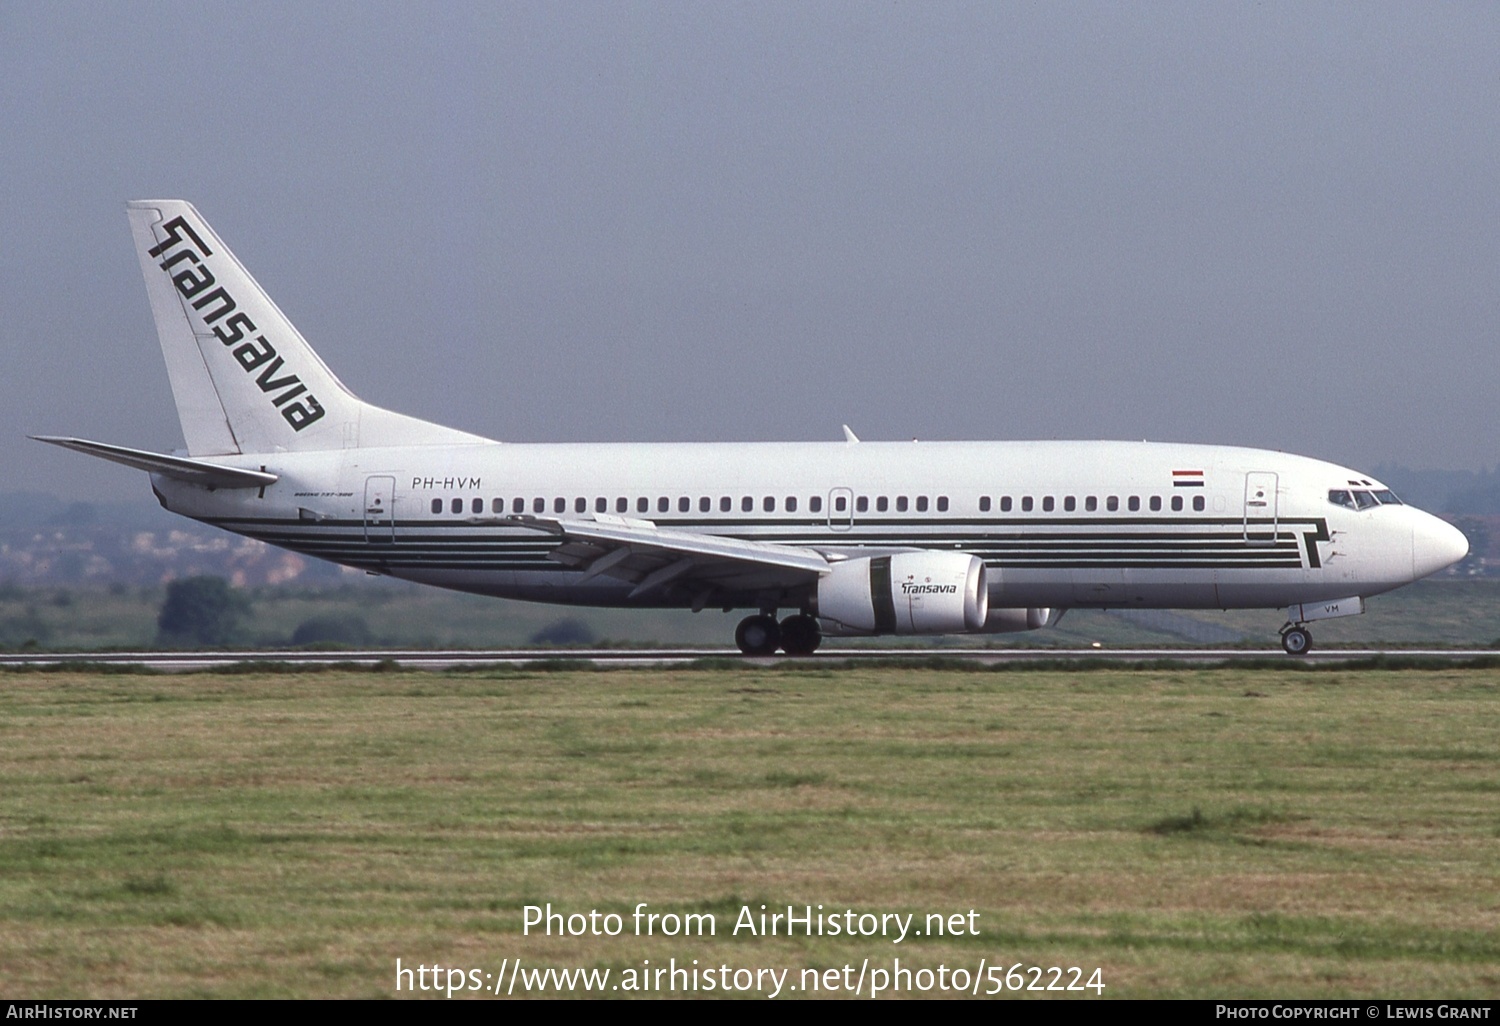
(198, 472)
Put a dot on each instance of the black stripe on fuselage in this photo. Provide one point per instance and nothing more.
(1078, 543)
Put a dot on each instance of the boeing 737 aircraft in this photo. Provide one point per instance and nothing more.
(849, 538)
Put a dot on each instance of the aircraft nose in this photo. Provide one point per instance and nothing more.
(1435, 545)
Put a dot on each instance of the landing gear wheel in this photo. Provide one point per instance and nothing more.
(758, 635)
(800, 635)
(1296, 640)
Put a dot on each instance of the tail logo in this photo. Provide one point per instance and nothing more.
(257, 356)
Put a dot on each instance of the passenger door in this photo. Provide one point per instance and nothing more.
(380, 509)
(1261, 509)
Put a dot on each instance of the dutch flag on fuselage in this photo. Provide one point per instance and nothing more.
(1187, 479)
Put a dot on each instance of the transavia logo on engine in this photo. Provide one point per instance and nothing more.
(912, 588)
(196, 284)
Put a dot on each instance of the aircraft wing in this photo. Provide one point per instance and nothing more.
(198, 472)
(653, 557)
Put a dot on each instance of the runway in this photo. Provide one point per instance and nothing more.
(623, 658)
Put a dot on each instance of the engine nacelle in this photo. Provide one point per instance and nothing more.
(907, 593)
(1010, 621)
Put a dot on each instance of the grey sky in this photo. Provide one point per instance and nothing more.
(1272, 224)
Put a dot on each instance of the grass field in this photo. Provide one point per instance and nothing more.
(1214, 833)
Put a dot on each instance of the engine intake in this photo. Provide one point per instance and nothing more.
(907, 593)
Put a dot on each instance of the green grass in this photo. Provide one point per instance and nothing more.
(1193, 833)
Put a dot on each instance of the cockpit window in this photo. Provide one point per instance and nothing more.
(1356, 498)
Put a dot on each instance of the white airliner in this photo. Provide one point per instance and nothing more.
(850, 538)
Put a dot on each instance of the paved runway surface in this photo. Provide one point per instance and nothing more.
(441, 660)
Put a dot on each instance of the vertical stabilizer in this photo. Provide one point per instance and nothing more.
(243, 377)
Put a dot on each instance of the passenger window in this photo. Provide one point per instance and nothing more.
(1112, 503)
(539, 505)
(901, 504)
(768, 504)
(643, 505)
(815, 504)
(921, 504)
(862, 504)
(1005, 504)
(437, 505)
(704, 505)
(518, 505)
(984, 504)
(723, 504)
(1135, 503)
(476, 506)
(1025, 504)
(622, 504)
(560, 504)
(580, 505)
(746, 504)
(1070, 504)
(458, 505)
(1198, 503)
(497, 505)
(840, 505)
(882, 504)
(684, 505)
(1092, 503)
(791, 504)
(1047, 504)
(1156, 503)
(601, 505)
(1176, 504)
(942, 503)
(663, 504)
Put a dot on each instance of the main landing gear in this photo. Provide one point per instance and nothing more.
(761, 635)
(1296, 639)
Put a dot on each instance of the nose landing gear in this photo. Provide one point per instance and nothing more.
(1296, 639)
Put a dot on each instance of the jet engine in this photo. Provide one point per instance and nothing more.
(906, 593)
(1009, 621)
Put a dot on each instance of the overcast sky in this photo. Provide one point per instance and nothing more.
(1271, 224)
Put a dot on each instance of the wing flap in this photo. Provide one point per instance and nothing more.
(652, 557)
(198, 472)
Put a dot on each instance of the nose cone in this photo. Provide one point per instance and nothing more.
(1435, 545)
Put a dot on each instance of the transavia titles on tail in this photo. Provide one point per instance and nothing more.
(846, 538)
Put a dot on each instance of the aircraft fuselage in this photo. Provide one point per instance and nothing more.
(1059, 524)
